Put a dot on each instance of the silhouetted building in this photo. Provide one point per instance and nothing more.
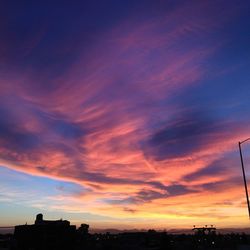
(45, 234)
(83, 229)
(40, 221)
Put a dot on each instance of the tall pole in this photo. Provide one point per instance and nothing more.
(244, 178)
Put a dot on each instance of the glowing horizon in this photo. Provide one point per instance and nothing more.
(125, 115)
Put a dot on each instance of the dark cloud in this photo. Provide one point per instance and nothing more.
(67, 129)
(147, 195)
(170, 191)
(60, 125)
(157, 184)
(225, 203)
(177, 189)
(182, 136)
(221, 186)
(130, 210)
(166, 191)
(18, 141)
(126, 201)
(102, 178)
(214, 169)
(13, 135)
(42, 169)
(219, 167)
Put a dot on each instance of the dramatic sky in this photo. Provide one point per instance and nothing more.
(124, 114)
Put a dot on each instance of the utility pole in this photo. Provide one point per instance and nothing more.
(244, 176)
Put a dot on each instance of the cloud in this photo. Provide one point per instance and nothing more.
(188, 133)
(220, 186)
(148, 195)
(221, 167)
(13, 134)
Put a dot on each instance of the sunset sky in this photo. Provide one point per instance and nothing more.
(124, 114)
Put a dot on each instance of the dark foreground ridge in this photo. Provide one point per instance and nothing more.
(60, 235)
